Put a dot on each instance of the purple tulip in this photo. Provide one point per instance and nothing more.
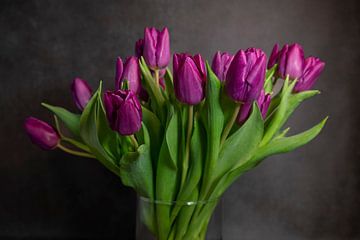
(123, 111)
(139, 47)
(291, 61)
(189, 78)
(246, 75)
(81, 93)
(221, 63)
(41, 133)
(274, 56)
(312, 70)
(156, 48)
(263, 102)
(129, 71)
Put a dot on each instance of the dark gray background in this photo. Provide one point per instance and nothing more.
(312, 193)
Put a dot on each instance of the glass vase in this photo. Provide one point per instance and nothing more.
(180, 220)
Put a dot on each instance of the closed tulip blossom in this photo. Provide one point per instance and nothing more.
(139, 47)
(189, 78)
(156, 48)
(274, 56)
(130, 71)
(221, 63)
(41, 133)
(291, 61)
(246, 74)
(123, 111)
(312, 70)
(263, 102)
(81, 93)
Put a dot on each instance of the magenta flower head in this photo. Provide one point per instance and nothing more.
(156, 48)
(123, 111)
(274, 56)
(130, 72)
(263, 102)
(312, 70)
(81, 93)
(139, 47)
(246, 75)
(221, 63)
(41, 133)
(291, 61)
(189, 78)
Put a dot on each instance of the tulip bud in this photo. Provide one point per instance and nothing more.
(81, 93)
(291, 61)
(274, 56)
(246, 75)
(130, 72)
(123, 111)
(41, 133)
(156, 48)
(312, 70)
(189, 78)
(139, 47)
(263, 102)
(221, 63)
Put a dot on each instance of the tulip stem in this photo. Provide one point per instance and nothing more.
(230, 124)
(134, 142)
(157, 77)
(190, 123)
(76, 153)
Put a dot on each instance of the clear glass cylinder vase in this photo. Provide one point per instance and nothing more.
(178, 220)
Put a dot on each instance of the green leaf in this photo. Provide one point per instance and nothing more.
(167, 173)
(153, 125)
(277, 145)
(71, 120)
(136, 171)
(154, 91)
(238, 150)
(277, 119)
(170, 86)
(281, 107)
(167, 165)
(214, 126)
(268, 85)
(89, 132)
(287, 144)
(196, 165)
(240, 146)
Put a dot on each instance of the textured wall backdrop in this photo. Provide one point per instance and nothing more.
(312, 193)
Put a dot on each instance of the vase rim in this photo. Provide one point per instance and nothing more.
(178, 202)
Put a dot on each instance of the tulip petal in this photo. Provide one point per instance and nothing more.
(81, 92)
(132, 74)
(189, 85)
(150, 38)
(163, 49)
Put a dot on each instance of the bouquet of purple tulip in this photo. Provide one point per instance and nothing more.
(185, 136)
